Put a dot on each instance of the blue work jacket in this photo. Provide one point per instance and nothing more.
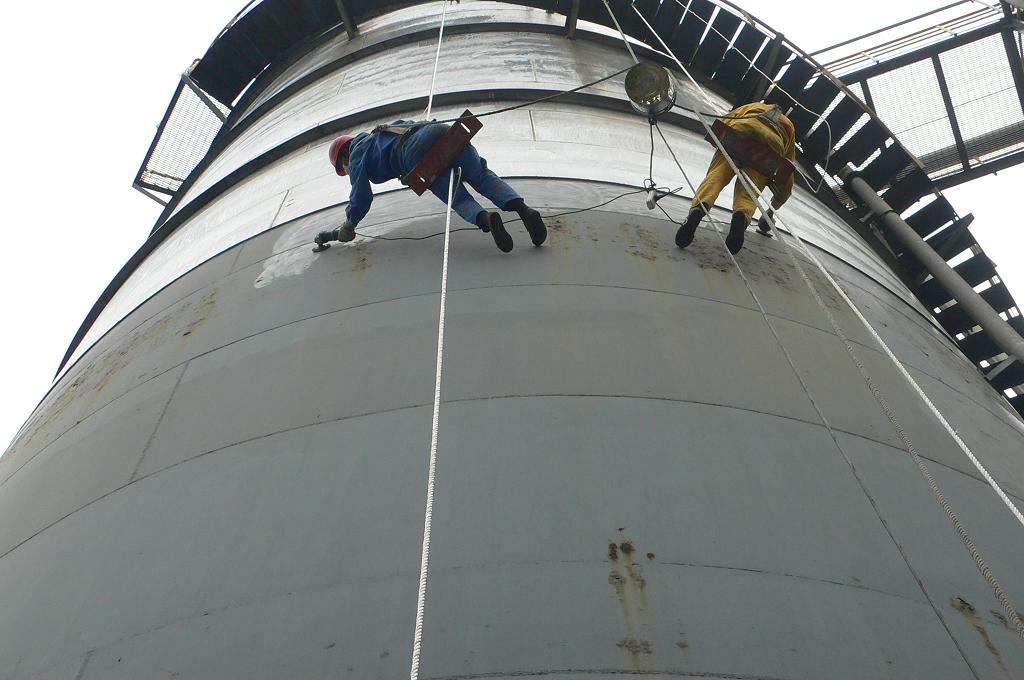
(370, 161)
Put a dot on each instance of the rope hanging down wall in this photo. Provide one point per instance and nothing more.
(887, 410)
(454, 178)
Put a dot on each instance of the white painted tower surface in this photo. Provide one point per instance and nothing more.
(228, 479)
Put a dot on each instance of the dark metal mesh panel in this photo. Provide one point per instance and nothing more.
(984, 97)
(910, 102)
(182, 140)
(981, 86)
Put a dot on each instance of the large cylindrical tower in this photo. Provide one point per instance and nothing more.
(228, 478)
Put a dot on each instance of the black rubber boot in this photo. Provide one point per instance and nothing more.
(483, 221)
(532, 220)
(497, 229)
(734, 241)
(685, 234)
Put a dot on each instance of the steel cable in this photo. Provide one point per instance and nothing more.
(887, 410)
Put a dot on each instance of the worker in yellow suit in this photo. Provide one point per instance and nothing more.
(764, 123)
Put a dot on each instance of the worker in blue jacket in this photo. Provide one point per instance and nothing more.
(391, 151)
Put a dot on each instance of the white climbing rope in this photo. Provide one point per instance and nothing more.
(817, 408)
(428, 512)
(772, 219)
(621, 32)
(437, 58)
(911, 450)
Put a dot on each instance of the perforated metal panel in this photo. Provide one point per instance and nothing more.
(182, 139)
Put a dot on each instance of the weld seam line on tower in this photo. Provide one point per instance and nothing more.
(428, 510)
(883, 404)
(85, 662)
(295, 428)
(159, 421)
(929, 321)
(474, 288)
(620, 672)
(476, 566)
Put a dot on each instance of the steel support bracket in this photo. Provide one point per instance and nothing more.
(762, 84)
(150, 194)
(1000, 367)
(205, 98)
(1002, 334)
(346, 18)
(571, 18)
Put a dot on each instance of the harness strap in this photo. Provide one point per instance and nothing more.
(773, 118)
(398, 129)
(443, 153)
(751, 153)
(404, 132)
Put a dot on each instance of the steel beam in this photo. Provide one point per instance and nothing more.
(1001, 332)
(346, 18)
(868, 99)
(150, 194)
(205, 98)
(977, 171)
(1013, 56)
(759, 90)
(1002, 366)
(922, 53)
(954, 124)
(571, 18)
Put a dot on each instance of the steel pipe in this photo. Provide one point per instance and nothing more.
(1001, 332)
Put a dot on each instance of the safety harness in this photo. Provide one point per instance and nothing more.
(440, 156)
(754, 154)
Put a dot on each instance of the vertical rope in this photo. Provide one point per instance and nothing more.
(911, 450)
(437, 58)
(771, 218)
(824, 420)
(624, 40)
(428, 512)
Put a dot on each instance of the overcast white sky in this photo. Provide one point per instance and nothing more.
(85, 85)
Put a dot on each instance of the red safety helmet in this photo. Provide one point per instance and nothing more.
(340, 149)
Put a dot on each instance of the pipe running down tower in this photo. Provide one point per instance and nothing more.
(648, 461)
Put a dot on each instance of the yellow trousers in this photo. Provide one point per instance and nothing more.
(719, 172)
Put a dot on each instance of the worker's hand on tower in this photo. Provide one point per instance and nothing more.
(346, 233)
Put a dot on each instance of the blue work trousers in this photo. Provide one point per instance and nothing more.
(474, 173)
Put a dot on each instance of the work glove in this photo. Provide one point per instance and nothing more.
(346, 233)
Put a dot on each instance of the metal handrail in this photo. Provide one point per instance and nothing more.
(918, 39)
(824, 72)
